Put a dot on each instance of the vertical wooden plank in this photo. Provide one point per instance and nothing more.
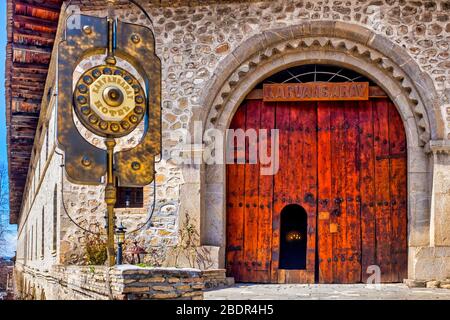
(338, 225)
(367, 187)
(265, 200)
(308, 187)
(282, 122)
(251, 192)
(398, 183)
(235, 202)
(324, 162)
(383, 214)
(294, 181)
(352, 247)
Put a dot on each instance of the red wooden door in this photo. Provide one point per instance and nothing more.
(296, 181)
(362, 191)
(344, 163)
(339, 199)
(249, 199)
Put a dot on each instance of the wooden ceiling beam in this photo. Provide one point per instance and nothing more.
(20, 6)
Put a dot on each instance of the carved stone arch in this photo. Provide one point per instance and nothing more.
(416, 86)
(336, 43)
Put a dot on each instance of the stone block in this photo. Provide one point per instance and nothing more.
(381, 44)
(411, 283)
(173, 280)
(183, 287)
(192, 294)
(433, 284)
(322, 28)
(168, 295)
(229, 281)
(253, 44)
(417, 160)
(300, 30)
(277, 35)
(136, 289)
(153, 279)
(353, 32)
(199, 286)
(163, 288)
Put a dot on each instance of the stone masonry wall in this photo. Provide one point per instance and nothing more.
(126, 283)
(191, 42)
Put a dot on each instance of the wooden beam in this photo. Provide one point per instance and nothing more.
(18, 5)
(35, 21)
(374, 92)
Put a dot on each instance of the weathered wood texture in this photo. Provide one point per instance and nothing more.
(345, 164)
(31, 31)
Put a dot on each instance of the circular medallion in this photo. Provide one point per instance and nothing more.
(109, 101)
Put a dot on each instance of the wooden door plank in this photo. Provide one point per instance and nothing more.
(382, 199)
(235, 202)
(251, 192)
(352, 249)
(295, 178)
(282, 122)
(339, 182)
(296, 154)
(325, 238)
(265, 200)
(367, 188)
(398, 174)
(308, 187)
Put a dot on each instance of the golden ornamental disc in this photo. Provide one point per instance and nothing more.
(109, 101)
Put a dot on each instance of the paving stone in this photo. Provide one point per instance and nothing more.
(326, 292)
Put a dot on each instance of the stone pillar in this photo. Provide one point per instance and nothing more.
(432, 262)
(214, 222)
(193, 203)
(191, 192)
(203, 202)
(440, 199)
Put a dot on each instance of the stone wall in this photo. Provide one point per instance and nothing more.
(216, 278)
(193, 42)
(100, 283)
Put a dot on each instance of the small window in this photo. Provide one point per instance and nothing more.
(128, 197)
(293, 237)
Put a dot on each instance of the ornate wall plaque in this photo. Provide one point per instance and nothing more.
(109, 101)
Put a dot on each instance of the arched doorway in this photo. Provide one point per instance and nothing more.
(344, 163)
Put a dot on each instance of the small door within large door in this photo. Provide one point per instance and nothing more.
(344, 165)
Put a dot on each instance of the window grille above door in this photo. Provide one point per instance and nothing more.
(315, 73)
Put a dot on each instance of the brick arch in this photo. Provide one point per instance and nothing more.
(347, 45)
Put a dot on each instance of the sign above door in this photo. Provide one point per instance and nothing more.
(316, 91)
